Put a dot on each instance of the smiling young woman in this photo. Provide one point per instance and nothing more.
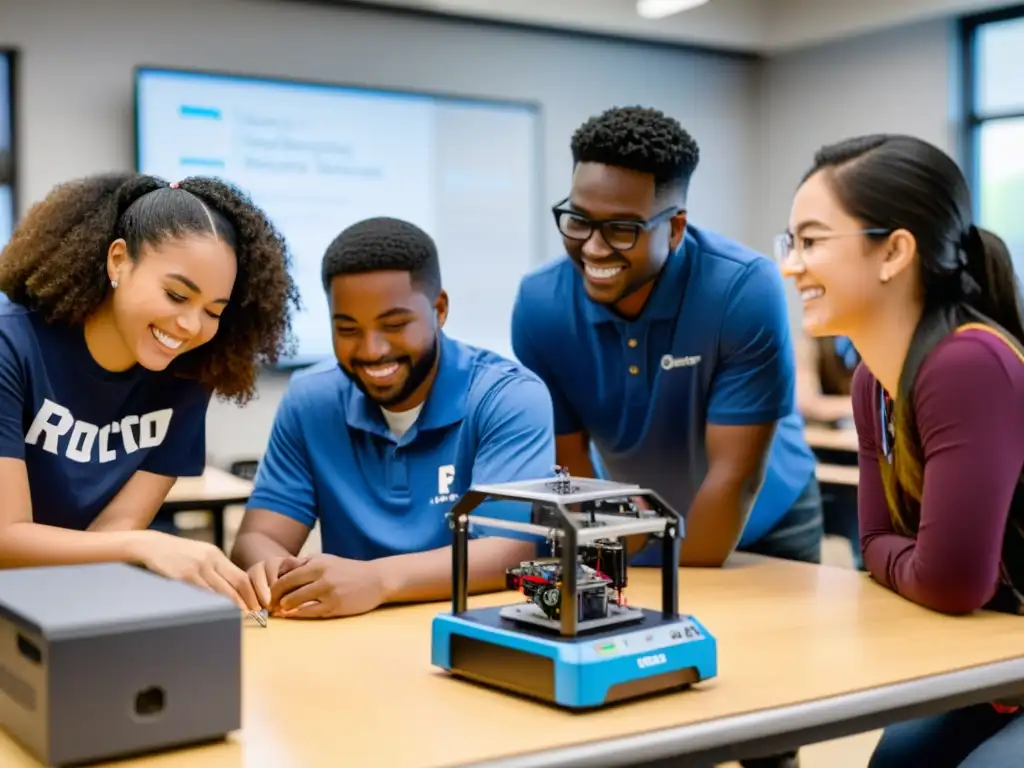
(883, 249)
(128, 303)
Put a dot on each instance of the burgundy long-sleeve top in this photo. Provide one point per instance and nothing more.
(969, 407)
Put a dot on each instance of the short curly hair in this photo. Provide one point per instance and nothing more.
(383, 243)
(56, 264)
(639, 139)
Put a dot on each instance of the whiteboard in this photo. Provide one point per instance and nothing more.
(318, 158)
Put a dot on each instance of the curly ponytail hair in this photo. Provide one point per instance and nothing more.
(56, 264)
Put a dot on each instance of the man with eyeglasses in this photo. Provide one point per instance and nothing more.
(667, 349)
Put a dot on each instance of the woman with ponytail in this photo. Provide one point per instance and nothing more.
(128, 303)
(883, 250)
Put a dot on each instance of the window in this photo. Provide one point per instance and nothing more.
(994, 104)
(7, 194)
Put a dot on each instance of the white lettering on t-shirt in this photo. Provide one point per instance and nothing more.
(86, 442)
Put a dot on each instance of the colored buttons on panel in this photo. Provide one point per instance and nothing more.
(609, 647)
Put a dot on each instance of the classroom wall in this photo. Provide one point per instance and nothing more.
(902, 80)
(76, 96)
(757, 122)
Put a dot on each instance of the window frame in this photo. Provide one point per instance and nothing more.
(972, 120)
(12, 55)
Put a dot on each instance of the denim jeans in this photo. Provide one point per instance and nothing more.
(800, 532)
(839, 504)
(972, 737)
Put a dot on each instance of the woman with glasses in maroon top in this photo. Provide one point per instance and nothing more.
(883, 250)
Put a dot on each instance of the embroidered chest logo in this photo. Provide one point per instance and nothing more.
(83, 442)
(445, 478)
(687, 361)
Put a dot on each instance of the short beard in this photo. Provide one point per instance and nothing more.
(418, 373)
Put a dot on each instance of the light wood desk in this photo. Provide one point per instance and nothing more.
(833, 474)
(806, 653)
(214, 491)
(832, 439)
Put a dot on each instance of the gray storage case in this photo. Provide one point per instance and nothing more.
(103, 661)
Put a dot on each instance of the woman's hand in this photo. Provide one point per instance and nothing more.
(264, 575)
(196, 562)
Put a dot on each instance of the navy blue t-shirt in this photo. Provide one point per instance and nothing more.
(83, 431)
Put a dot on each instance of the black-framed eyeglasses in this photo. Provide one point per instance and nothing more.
(619, 234)
(784, 245)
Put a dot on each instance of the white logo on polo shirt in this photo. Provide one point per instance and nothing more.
(445, 478)
(668, 362)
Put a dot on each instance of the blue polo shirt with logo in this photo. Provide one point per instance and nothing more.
(332, 458)
(712, 345)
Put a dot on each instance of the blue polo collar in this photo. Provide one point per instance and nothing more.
(665, 299)
(445, 404)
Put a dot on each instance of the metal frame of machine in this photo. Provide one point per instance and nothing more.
(584, 520)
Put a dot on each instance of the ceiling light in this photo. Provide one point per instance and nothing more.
(659, 9)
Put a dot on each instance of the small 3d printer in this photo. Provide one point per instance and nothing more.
(574, 641)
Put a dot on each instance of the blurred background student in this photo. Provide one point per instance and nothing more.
(824, 377)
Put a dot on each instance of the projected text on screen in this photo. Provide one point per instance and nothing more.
(318, 158)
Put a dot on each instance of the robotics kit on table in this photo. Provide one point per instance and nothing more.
(574, 641)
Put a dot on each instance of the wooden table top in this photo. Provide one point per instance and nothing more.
(361, 691)
(835, 439)
(214, 485)
(837, 475)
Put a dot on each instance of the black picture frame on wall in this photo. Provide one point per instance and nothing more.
(9, 149)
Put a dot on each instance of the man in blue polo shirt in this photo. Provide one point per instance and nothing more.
(667, 347)
(379, 445)
(667, 350)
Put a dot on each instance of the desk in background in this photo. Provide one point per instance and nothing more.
(819, 437)
(833, 474)
(215, 490)
(806, 653)
(836, 450)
